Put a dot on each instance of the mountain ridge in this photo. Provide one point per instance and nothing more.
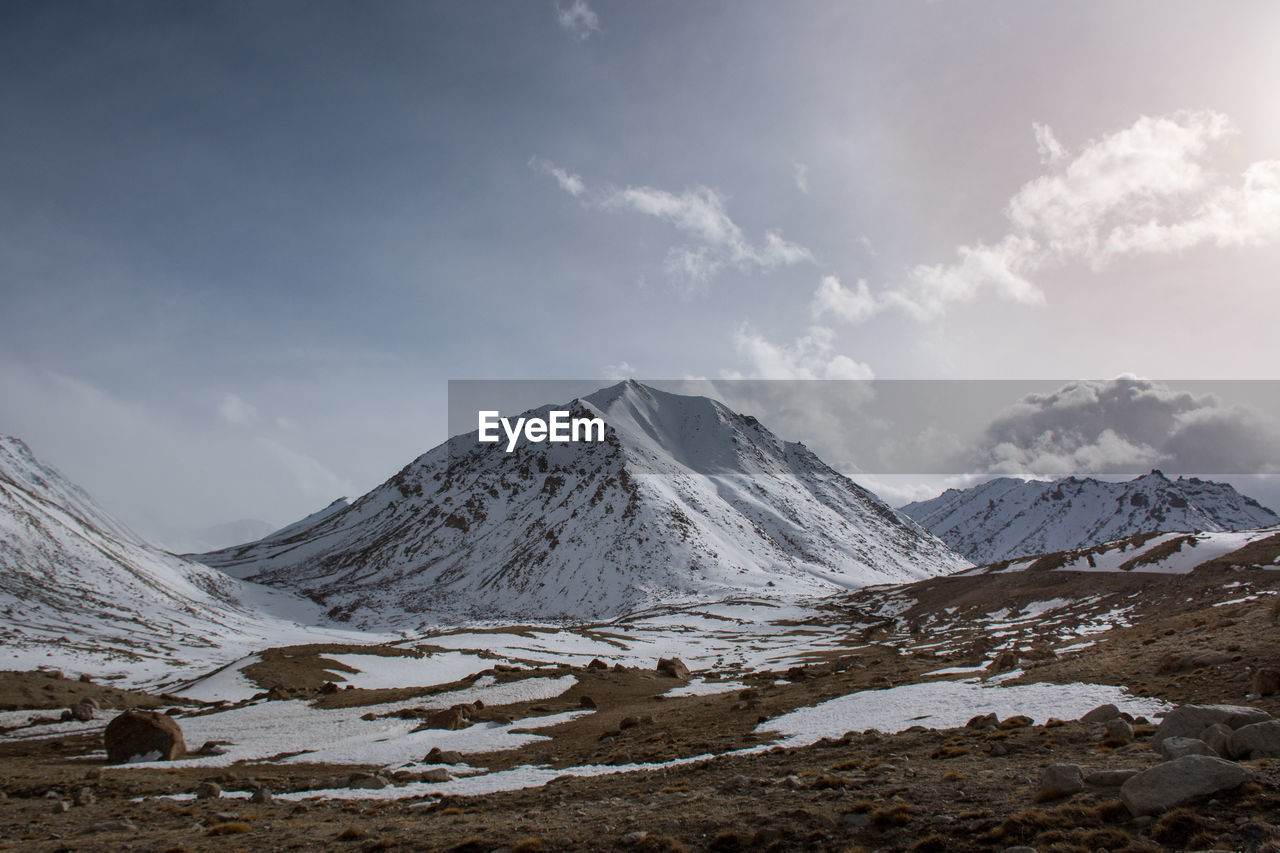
(1007, 517)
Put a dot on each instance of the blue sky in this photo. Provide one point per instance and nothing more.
(244, 245)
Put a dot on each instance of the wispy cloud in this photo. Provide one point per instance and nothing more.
(569, 182)
(850, 305)
(1144, 189)
(700, 214)
(801, 173)
(811, 356)
(622, 370)
(578, 19)
(236, 411)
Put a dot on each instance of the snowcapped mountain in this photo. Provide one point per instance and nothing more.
(1007, 517)
(79, 590)
(683, 500)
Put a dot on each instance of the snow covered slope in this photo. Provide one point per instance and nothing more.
(1161, 553)
(1007, 518)
(685, 500)
(79, 591)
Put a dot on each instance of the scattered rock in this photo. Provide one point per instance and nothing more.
(85, 797)
(1266, 681)
(84, 710)
(442, 756)
(1004, 662)
(208, 790)
(371, 781)
(1180, 781)
(1060, 780)
(1217, 737)
(1101, 714)
(122, 825)
(984, 721)
(1260, 740)
(673, 667)
(329, 687)
(278, 694)
(135, 735)
(261, 795)
(59, 806)
(1192, 720)
(212, 747)
(629, 722)
(797, 673)
(1110, 778)
(1176, 747)
(451, 719)
(596, 663)
(1119, 729)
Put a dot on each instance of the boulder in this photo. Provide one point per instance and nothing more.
(1217, 737)
(442, 756)
(208, 790)
(983, 721)
(451, 719)
(329, 687)
(587, 702)
(1192, 720)
(435, 776)
(1060, 780)
(370, 781)
(1110, 778)
(143, 736)
(1119, 729)
(1173, 783)
(1101, 714)
(1266, 681)
(1260, 740)
(261, 795)
(1176, 747)
(596, 663)
(673, 667)
(84, 711)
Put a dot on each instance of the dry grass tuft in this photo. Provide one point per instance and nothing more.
(231, 827)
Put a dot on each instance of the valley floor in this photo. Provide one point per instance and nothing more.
(827, 725)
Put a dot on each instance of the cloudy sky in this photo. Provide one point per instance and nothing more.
(243, 246)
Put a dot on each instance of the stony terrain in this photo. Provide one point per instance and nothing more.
(707, 771)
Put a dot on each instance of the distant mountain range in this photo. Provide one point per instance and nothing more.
(1007, 518)
(684, 500)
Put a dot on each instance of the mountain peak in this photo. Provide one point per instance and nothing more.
(685, 500)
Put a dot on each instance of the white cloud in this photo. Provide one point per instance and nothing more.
(236, 411)
(622, 370)
(1125, 426)
(801, 172)
(1143, 189)
(811, 356)
(698, 213)
(569, 182)
(578, 19)
(852, 306)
